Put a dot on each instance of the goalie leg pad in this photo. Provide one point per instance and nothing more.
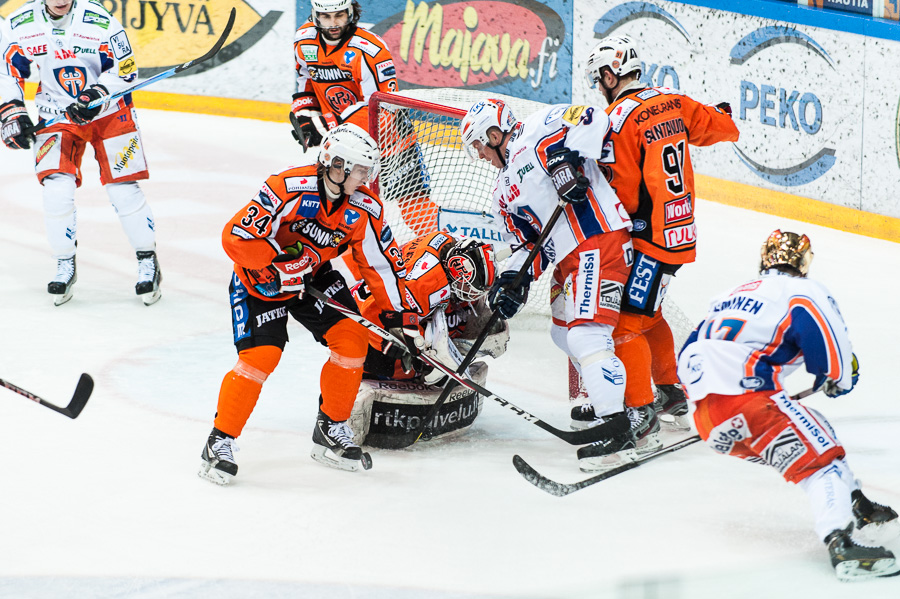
(386, 411)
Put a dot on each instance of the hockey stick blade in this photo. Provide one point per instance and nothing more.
(158, 77)
(79, 399)
(562, 489)
(578, 437)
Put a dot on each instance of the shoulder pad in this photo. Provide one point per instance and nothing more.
(619, 114)
(367, 203)
(306, 32)
(647, 94)
(438, 240)
(297, 184)
(23, 17)
(365, 45)
(555, 113)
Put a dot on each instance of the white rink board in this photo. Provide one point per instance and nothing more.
(758, 65)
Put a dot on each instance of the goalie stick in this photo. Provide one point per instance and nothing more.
(578, 437)
(158, 77)
(82, 393)
(562, 489)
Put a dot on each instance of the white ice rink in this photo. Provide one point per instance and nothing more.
(110, 506)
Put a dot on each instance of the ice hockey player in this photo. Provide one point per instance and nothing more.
(82, 54)
(648, 164)
(339, 66)
(733, 367)
(446, 281)
(542, 160)
(282, 242)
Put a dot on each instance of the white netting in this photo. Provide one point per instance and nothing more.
(424, 168)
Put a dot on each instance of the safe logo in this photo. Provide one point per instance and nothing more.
(787, 118)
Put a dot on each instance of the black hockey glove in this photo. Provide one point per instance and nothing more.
(571, 184)
(79, 112)
(724, 107)
(830, 387)
(504, 298)
(15, 125)
(405, 326)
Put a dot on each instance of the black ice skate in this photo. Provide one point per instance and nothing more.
(61, 285)
(876, 523)
(583, 417)
(641, 438)
(671, 406)
(333, 445)
(149, 278)
(218, 463)
(853, 561)
(604, 454)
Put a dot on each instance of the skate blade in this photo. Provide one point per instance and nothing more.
(853, 570)
(580, 425)
(879, 533)
(327, 457)
(674, 423)
(59, 300)
(605, 463)
(648, 444)
(151, 298)
(212, 475)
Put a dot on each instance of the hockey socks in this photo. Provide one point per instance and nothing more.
(242, 385)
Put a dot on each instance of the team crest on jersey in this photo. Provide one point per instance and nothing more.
(71, 79)
(340, 97)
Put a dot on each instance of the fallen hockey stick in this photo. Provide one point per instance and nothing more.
(562, 489)
(158, 77)
(578, 437)
(495, 316)
(82, 393)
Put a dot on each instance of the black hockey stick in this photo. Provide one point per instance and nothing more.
(417, 433)
(158, 77)
(562, 489)
(82, 393)
(578, 437)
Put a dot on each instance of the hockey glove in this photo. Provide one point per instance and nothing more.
(504, 298)
(405, 326)
(79, 112)
(290, 271)
(724, 107)
(571, 184)
(830, 387)
(310, 126)
(15, 125)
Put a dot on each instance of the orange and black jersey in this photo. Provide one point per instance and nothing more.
(333, 78)
(291, 208)
(647, 162)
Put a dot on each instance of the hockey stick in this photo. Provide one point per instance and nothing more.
(578, 437)
(416, 434)
(158, 77)
(562, 489)
(82, 393)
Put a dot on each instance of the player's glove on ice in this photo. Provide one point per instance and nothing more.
(506, 299)
(14, 123)
(571, 184)
(78, 111)
(830, 387)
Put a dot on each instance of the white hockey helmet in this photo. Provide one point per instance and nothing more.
(482, 116)
(619, 54)
(786, 249)
(350, 148)
(333, 6)
(470, 268)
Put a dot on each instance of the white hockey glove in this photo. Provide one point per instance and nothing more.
(290, 271)
(440, 347)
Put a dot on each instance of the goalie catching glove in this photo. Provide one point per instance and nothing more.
(570, 183)
(79, 112)
(14, 123)
(830, 387)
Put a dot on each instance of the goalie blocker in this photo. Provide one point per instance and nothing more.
(386, 411)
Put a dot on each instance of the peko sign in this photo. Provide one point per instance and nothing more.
(520, 48)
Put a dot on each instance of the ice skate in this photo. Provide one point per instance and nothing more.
(609, 452)
(333, 445)
(875, 523)
(218, 465)
(853, 561)
(149, 278)
(671, 406)
(641, 438)
(583, 417)
(61, 285)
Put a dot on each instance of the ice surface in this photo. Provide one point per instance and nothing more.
(109, 505)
